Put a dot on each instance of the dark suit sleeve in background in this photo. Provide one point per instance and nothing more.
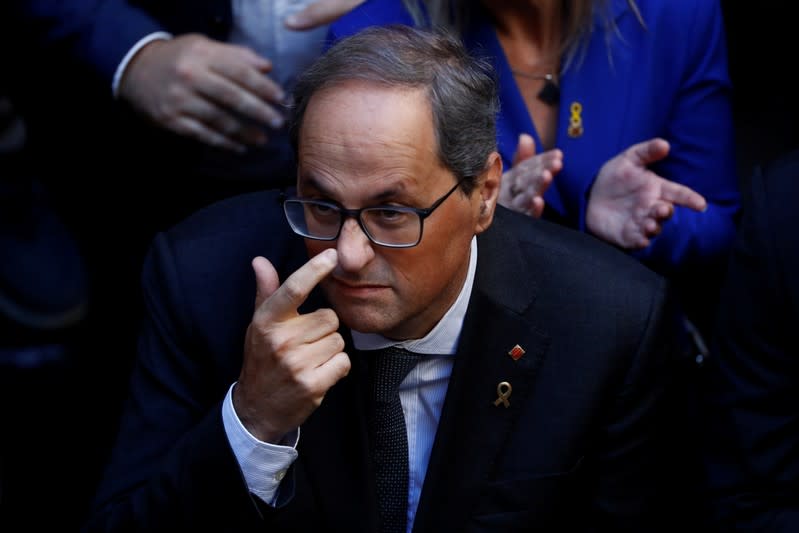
(752, 424)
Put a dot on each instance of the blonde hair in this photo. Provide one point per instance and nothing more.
(578, 22)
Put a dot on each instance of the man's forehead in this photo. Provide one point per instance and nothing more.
(360, 120)
(368, 92)
(361, 135)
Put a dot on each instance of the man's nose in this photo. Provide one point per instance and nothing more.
(355, 250)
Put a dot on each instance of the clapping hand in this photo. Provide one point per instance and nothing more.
(629, 203)
(523, 186)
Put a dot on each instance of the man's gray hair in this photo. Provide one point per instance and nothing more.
(462, 89)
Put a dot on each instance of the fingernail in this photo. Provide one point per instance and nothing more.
(331, 255)
(276, 122)
(293, 21)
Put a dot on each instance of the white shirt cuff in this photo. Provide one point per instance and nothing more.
(263, 465)
(132, 52)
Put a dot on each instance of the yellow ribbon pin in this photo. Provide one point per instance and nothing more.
(503, 392)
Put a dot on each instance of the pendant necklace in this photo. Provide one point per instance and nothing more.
(550, 92)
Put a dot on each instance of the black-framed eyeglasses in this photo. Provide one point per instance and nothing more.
(387, 225)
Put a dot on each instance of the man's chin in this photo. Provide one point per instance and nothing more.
(362, 319)
(367, 313)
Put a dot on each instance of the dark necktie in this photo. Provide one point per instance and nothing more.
(388, 436)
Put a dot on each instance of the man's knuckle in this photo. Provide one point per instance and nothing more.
(244, 107)
(184, 70)
(329, 318)
(308, 387)
(277, 343)
(344, 365)
(293, 288)
(338, 341)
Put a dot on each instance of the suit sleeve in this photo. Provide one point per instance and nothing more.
(172, 468)
(635, 467)
(96, 33)
(752, 416)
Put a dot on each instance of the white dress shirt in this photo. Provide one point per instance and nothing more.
(259, 25)
(421, 394)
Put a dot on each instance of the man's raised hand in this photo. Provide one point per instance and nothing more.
(290, 360)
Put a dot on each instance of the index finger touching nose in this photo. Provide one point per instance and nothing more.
(293, 292)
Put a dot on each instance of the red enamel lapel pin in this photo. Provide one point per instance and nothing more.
(516, 352)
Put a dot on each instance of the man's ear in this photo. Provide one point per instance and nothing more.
(488, 192)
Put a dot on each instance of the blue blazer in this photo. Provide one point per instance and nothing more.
(668, 80)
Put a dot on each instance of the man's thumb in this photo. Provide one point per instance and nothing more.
(266, 280)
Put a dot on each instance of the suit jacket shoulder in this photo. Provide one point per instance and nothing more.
(555, 255)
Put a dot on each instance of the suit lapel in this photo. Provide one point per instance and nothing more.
(472, 428)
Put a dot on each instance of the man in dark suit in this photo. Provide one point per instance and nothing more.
(538, 403)
(753, 419)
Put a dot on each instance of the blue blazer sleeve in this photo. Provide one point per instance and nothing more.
(370, 13)
(700, 128)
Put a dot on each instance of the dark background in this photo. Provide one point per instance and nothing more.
(60, 399)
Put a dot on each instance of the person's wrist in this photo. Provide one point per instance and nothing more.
(255, 424)
(127, 80)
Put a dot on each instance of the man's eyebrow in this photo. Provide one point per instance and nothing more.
(312, 183)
